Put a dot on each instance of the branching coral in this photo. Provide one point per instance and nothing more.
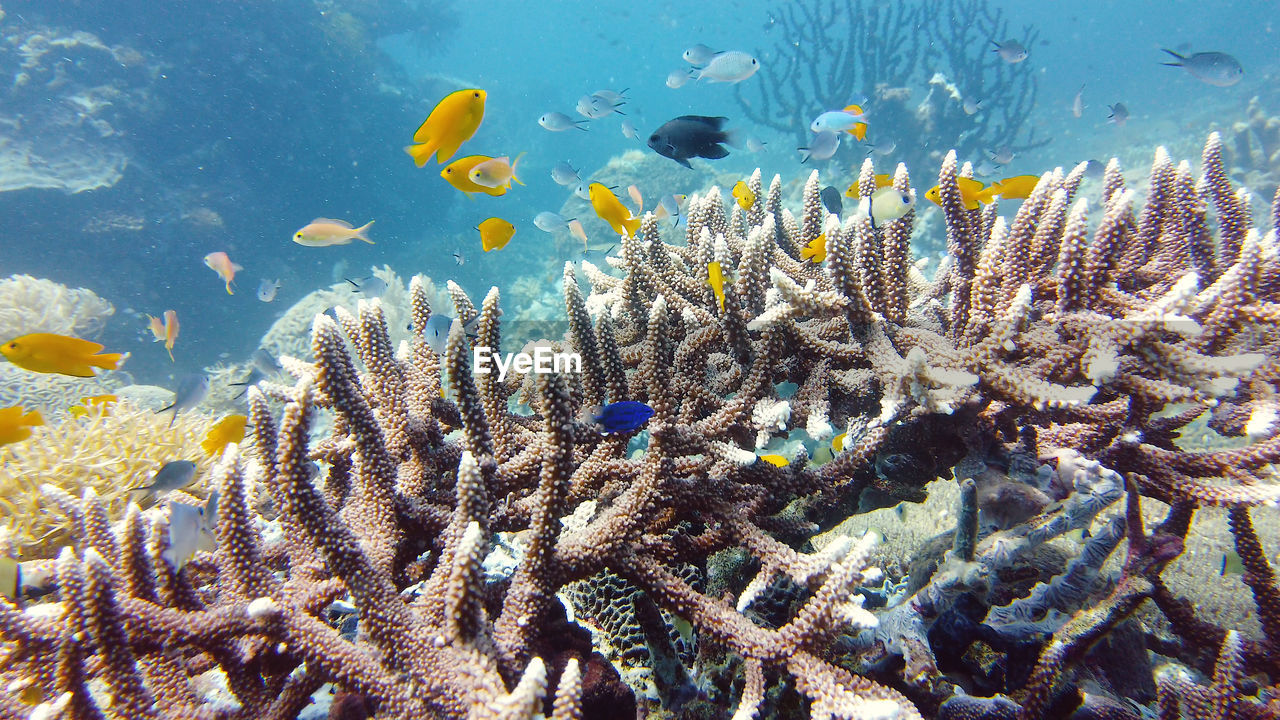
(1048, 365)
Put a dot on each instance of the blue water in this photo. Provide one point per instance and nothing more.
(243, 121)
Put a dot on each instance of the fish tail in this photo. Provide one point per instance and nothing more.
(170, 354)
(420, 152)
(632, 224)
(106, 361)
(859, 130)
(1173, 64)
(513, 168)
(360, 232)
(229, 290)
(174, 418)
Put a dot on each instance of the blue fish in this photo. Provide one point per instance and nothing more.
(620, 417)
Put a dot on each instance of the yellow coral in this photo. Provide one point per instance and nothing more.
(111, 449)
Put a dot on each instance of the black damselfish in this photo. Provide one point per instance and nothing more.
(692, 136)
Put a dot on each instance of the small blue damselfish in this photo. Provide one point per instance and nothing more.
(623, 416)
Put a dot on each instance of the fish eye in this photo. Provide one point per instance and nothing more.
(753, 61)
(475, 94)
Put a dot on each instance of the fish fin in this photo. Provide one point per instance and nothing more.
(229, 290)
(1176, 55)
(331, 221)
(513, 169)
(106, 361)
(733, 138)
(684, 162)
(853, 109)
(859, 130)
(420, 153)
(632, 224)
(804, 155)
(360, 232)
(713, 152)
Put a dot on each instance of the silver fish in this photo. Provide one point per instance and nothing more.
(1002, 155)
(582, 191)
(595, 107)
(171, 476)
(558, 122)
(1011, 51)
(730, 67)
(1077, 105)
(460, 259)
(679, 78)
(1214, 68)
(699, 55)
(615, 97)
(267, 290)
(565, 174)
(971, 106)
(371, 287)
(192, 390)
(755, 145)
(264, 362)
(437, 332)
(1119, 114)
(629, 130)
(549, 222)
(821, 147)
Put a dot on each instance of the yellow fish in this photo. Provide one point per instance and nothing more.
(453, 121)
(457, 174)
(495, 172)
(229, 429)
(495, 233)
(1018, 187)
(776, 460)
(611, 210)
(882, 180)
(100, 400)
(49, 353)
(816, 250)
(972, 193)
(715, 279)
(323, 232)
(16, 424)
(743, 195)
(837, 442)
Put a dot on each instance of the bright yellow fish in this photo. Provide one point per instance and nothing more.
(495, 172)
(776, 460)
(972, 193)
(882, 180)
(837, 442)
(49, 353)
(1018, 187)
(453, 121)
(816, 250)
(611, 210)
(323, 232)
(102, 401)
(715, 279)
(743, 195)
(229, 429)
(859, 129)
(16, 424)
(457, 174)
(495, 233)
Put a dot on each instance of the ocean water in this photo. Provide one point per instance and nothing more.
(232, 124)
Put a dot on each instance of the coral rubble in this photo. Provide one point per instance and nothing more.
(1047, 369)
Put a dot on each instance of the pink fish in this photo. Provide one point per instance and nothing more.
(221, 264)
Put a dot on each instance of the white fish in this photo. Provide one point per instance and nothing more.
(616, 97)
(677, 78)
(821, 147)
(550, 222)
(1077, 105)
(731, 67)
(438, 328)
(971, 106)
(564, 174)
(171, 476)
(885, 204)
(835, 121)
(699, 55)
(595, 107)
(460, 259)
(884, 147)
(192, 390)
(629, 130)
(267, 290)
(558, 122)
(582, 191)
(191, 528)
(755, 145)
(1002, 155)
(371, 287)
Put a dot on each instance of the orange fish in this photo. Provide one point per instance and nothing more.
(575, 227)
(170, 331)
(323, 232)
(61, 354)
(221, 264)
(157, 328)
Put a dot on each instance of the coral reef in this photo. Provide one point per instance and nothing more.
(1049, 366)
(107, 451)
(830, 54)
(29, 304)
(75, 91)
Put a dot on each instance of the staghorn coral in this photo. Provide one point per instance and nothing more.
(109, 450)
(1064, 358)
